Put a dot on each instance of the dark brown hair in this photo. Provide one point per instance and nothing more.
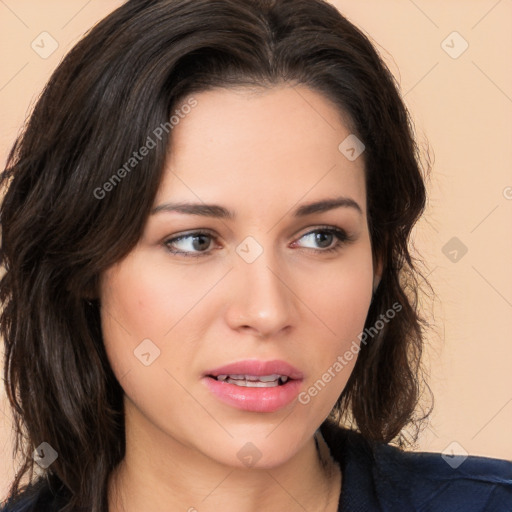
(119, 83)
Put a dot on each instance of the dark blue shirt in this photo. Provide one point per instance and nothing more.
(378, 477)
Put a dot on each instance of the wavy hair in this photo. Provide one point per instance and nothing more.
(121, 81)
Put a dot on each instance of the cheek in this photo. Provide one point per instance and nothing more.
(342, 298)
(137, 311)
(145, 306)
(144, 299)
(132, 312)
(345, 294)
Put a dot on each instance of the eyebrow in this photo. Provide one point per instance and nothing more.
(219, 212)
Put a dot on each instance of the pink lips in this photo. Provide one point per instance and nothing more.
(254, 399)
(258, 368)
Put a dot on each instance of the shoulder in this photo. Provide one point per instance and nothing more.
(478, 483)
(389, 478)
(36, 497)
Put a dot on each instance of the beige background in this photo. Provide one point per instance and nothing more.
(463, 107)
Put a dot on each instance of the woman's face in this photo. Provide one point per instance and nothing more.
(259, 285)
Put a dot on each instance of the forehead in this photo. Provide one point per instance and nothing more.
(280, 143)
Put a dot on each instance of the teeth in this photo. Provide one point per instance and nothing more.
(263, 378)
(256, 381)
(252, 383)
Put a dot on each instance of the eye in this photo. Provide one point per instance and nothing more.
(196, 241)
(325, 237)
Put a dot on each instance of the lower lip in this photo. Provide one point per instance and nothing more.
(254, 399)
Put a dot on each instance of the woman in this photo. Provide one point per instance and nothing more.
(205, 236)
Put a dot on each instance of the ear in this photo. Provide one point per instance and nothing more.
(378, 266)
(90, 291)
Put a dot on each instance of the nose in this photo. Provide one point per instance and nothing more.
(262, 299)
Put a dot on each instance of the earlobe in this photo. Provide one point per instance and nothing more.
(89, 292)
(377, 275)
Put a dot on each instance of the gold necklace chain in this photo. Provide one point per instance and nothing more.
(327, 462)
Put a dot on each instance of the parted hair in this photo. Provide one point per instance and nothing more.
(123, 79)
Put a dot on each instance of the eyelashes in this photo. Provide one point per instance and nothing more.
(336, 235)
(194, 234)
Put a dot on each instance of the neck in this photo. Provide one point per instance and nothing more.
(179, 478)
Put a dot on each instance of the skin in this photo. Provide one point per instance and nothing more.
(272, 151)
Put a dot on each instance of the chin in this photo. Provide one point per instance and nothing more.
(266, 449)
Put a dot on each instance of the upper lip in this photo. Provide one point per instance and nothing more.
(257, 368)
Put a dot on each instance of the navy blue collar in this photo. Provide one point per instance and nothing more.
(378, 477)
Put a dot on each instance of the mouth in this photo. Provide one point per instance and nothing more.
(256, 386)
(253, 381)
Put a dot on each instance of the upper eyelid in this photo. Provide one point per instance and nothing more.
(205, 231)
